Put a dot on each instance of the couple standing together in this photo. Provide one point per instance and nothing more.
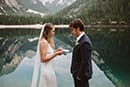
(81, 66)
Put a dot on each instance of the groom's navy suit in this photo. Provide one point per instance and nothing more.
(81, 66)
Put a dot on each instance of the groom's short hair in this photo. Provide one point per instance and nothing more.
(77, 23)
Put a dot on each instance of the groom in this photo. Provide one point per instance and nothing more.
(81, 66)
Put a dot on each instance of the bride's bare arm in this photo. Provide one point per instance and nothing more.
(43, 51)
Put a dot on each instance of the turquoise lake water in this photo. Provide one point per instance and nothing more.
(22, 76)
(113, 63)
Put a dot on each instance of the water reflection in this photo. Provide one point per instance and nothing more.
(22, 76)
(113, 45)
(18, 48)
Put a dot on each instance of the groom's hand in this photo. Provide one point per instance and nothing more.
(78, 78)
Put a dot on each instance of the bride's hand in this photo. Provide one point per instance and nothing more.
(59, 51)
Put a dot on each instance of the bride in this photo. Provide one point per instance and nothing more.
(45, 55)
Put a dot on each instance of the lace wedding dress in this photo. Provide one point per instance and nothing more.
(44, 71)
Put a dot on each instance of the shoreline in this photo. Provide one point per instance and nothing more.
(39, 26)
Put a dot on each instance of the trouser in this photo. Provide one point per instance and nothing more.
(81, 83)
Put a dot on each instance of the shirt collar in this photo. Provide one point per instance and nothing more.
(78, 38)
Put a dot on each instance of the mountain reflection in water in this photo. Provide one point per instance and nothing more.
(112, 48)
(21, 77)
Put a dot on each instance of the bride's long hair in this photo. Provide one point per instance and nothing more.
(46, 34)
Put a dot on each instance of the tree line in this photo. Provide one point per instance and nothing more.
(104, 11)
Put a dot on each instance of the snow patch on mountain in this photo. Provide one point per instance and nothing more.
(36, 12)
(34, 1)
(59, 2)
(46, 1)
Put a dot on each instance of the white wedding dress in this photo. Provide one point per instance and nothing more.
(44, 71)
(47, 77)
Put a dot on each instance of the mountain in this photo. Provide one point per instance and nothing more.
(9, 6)
(103, 11)
(34, 5)
(56, 5)
(78, 8)
(41, 6)
(46, 6)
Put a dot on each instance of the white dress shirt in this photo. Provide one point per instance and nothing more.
(78, 38)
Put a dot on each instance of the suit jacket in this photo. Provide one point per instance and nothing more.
(81, 65)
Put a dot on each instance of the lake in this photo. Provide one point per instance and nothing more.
(21, 77)
(110, 60)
